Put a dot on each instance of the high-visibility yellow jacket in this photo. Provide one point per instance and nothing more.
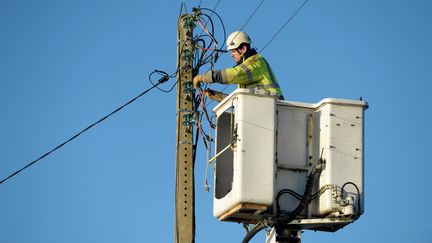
(253, 72)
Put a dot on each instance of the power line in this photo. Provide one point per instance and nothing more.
(250, 17)
(161, 80)
(286, 23)
(253, 13)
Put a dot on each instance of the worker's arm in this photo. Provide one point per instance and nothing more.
(234, 75)
(246, 73)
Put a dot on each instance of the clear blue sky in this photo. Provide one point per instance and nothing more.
(65, 64)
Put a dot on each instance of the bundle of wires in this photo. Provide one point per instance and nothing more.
(206, 53)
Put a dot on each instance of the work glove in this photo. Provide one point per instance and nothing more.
(200, 78)
(215, 95)
(197, 80)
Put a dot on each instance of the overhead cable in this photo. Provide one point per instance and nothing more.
(252, 14)
(285, 24)
(161, 80)
(249, 18)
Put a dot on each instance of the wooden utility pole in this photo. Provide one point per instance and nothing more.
(184, 194)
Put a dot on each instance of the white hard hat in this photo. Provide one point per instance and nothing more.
(236, 38)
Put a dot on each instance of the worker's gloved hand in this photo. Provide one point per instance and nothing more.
(200, 78)
(197, 80)
(215, 95)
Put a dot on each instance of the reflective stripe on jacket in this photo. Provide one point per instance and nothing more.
(254, 72)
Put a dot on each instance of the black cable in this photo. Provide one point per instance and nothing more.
(162, 80)
(286, 23)
(212, 32)
(284, 219)
(291, 192)
(212, 27)
(211, 35)
(358, 196)
(199, 59)
(253, 232)
(182, 6)
(306, 196)
(195, 144)
(212, 57)
(286, 191)
(220, 19)
(253, 13)
(212, 12)
(164, 75)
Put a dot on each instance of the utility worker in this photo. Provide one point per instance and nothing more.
(252, 70)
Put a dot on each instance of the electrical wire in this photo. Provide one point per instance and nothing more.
(164, 75)
(286, 191)
(211, 34)
(212, 57)
(358, 196)
(204, 54)
(286, 218)
(221, 21)
(182, 7)
(162, 80)
(285, 24)
(214, 9)
(289, 191)
(253, 13)
(208, 58)
(204, 108)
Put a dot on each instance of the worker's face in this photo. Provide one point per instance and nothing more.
(237, 54)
